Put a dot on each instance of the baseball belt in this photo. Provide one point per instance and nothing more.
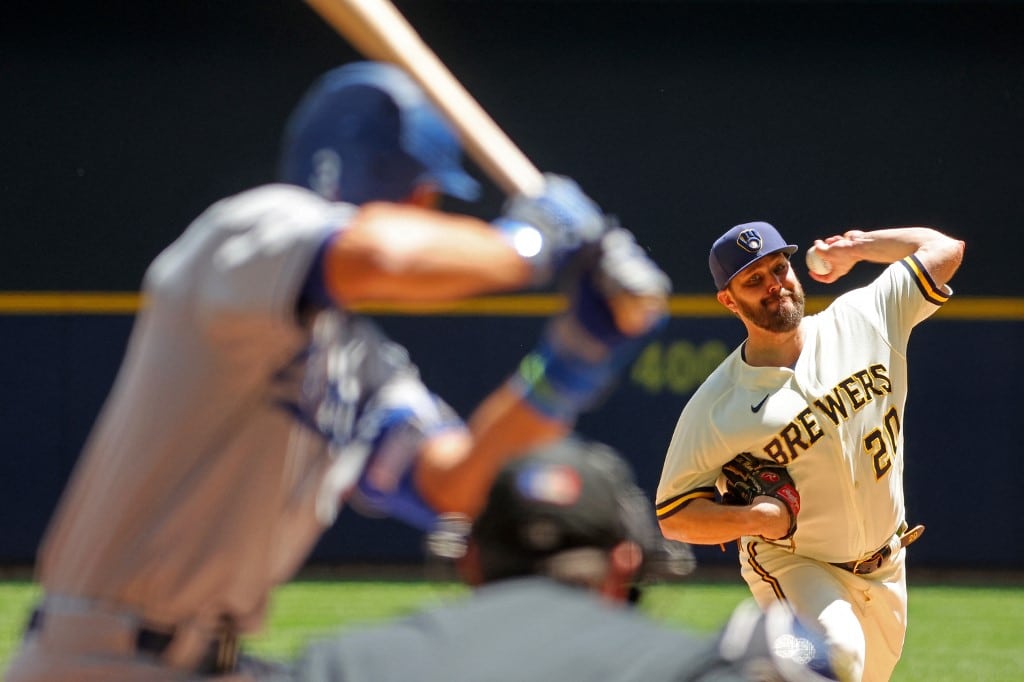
(220, 657)
(901, 538)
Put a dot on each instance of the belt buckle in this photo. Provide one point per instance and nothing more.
(870, 564)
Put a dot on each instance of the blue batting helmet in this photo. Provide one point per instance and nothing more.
(365, 131)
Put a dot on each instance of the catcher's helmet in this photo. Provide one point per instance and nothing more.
(365, 131)
(570, 495)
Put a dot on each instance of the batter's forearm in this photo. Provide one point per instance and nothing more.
(502, 427)
(703, 522)
(401, 253)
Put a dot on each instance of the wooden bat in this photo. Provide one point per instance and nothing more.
(379, 31)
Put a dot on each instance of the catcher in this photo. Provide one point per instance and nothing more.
(816, 406)
(554, 561)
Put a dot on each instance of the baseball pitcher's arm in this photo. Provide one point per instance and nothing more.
(703, 522)
(938, 253)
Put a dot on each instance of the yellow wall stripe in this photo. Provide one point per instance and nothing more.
(528, 305)
(68, 303)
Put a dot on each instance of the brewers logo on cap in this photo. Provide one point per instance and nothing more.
(750, 240)
(740, 246)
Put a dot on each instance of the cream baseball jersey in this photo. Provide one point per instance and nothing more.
(219, 457)
(834, 419)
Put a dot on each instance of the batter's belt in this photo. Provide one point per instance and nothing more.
(218, 656)
(871, 563)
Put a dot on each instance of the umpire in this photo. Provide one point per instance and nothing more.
(555, 559)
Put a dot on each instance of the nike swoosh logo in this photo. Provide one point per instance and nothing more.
(757, 408)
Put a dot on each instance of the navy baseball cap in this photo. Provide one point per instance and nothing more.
(364, 132)
(741, 246)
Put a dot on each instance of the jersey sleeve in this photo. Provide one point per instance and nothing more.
(903, 296)
(692, 461)
(241, 266)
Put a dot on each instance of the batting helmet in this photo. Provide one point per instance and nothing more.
(365, 131)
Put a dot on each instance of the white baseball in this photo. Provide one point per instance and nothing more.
(817, 264)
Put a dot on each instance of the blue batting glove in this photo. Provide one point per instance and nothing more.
(622, 267)
(546, 230)
(582, 352)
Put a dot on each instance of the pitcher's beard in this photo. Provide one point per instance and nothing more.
(785, 318)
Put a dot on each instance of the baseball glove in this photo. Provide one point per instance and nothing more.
(747, 477)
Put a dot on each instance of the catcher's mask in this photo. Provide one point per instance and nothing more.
(364, 132)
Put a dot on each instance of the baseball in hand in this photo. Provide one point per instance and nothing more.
(817, 264)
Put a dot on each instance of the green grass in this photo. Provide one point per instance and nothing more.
(956, 633)
(16, 599)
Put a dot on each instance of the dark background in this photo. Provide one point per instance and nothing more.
(121, 121)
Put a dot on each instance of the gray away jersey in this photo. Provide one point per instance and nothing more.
(220, 455)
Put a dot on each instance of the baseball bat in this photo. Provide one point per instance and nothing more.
(379, 31)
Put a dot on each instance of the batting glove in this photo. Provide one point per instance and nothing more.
(582, 352)
(546, 230)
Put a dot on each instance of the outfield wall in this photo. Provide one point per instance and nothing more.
(121, 124)
(960, 447)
